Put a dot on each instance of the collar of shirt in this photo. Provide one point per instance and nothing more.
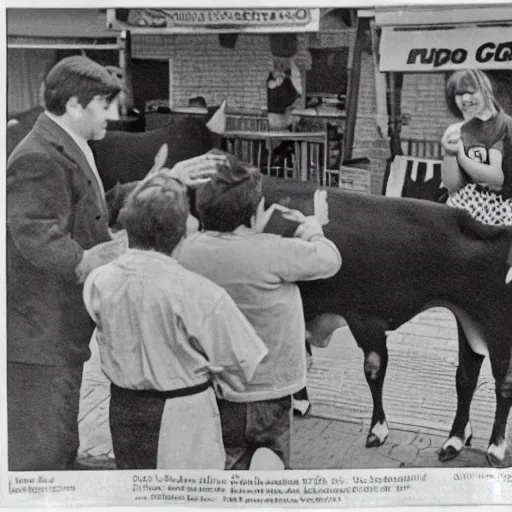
(240, 231)
(134, 255)
(84, 147)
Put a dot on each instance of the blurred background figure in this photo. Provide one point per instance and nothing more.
(197, 101)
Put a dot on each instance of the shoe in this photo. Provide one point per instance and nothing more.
(301, 407)
(265, 459)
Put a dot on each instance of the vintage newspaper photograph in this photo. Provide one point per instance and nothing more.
(257, 256)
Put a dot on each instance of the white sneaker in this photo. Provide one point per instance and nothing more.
(266, 459)
(301, 407)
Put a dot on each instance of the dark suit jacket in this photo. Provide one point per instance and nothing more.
(55, 210)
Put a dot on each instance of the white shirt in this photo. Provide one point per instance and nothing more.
(162, 327)
(82, 144)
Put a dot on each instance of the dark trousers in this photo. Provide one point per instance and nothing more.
(248, 426)
(42, 416)
(303, 393)
(135, 428)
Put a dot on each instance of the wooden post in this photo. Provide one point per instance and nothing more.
(125, 64)
(363, 26)
(395, 117)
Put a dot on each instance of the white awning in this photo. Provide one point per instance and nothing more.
(440, 48)
(217, 21)
(422, 39)
(442, 15)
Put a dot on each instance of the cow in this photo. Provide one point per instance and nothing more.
(401, 257)
(122, 157)
(18, 126)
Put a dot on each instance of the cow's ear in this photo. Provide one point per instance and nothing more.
(160, 159)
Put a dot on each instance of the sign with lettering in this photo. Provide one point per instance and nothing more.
(440, 49)
(217, 20)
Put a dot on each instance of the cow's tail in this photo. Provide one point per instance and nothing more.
(478, 230)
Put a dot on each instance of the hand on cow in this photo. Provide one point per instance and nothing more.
(192, 172)
(197, 170)
(309, 229)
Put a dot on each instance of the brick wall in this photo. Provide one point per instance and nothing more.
(200, 66)
(423, 98)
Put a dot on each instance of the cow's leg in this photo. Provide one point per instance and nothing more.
(370, 335)
(501, 364)
(466, 379)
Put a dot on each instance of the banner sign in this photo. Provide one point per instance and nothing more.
(438, 49)
(218, 20)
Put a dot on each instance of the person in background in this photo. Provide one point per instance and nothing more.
(164, 334)
(197, 101)
(56, 213)
(477, 166)
(259, 271)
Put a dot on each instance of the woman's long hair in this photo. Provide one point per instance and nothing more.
(472, 79)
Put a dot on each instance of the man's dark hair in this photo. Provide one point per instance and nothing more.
(231, 198)
(155, 214)
(81, 77)
(116, 197)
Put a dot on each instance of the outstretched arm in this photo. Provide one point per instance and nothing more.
(451, 173)
(310, 255)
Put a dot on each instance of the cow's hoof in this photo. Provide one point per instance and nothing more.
(494, 462)
(496, 455)
(372, 441)
(377, 435)
(448, 453)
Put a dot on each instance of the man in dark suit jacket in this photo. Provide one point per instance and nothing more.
(56, 212)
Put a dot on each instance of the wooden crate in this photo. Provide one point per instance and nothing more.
(353, 178)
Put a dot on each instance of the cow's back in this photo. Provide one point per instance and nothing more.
(399, 254)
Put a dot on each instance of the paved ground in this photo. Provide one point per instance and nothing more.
(318, 443)
(330, 444)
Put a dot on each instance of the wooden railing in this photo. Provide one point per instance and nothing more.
(255, 122)
(423, 148)
(295, 155)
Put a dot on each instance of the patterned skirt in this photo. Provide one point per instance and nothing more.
(483, 204)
